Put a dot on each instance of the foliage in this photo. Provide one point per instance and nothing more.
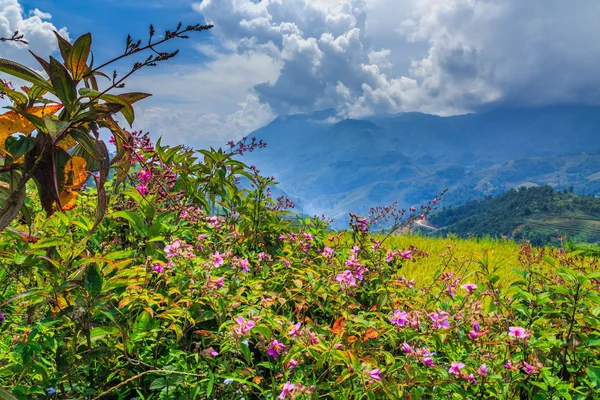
(167, 300)
(66, 147)
(195, 286)
(537, 214)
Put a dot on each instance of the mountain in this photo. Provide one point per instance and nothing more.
(538, 214)
(333, 166)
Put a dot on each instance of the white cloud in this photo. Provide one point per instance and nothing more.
(36, 28)
(438, 56)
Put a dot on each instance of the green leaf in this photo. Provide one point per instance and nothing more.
(64, 86)
(45, 65)
(594, 374)
(93, 280)
(20, 71)
(14, 95)
(77, 60)
(5, 395)
(64, 46)
(55, 126)
(19, 146)
(15, 201)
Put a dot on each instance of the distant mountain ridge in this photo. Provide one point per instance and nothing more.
(333, 167)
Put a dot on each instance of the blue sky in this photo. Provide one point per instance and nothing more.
(360, 57)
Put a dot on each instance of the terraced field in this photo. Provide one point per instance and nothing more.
(570, 226)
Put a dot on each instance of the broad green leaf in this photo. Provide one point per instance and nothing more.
(20, 71)
(64, 86)
(77, 60)
(64, 46)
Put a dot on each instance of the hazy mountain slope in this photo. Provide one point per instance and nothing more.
(351, 165)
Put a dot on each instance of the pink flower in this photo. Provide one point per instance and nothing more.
(400, 318)
(261, 256)
(346, 279)
(244, 264)
(456, 367)
(469, 287)
(295, 331)
(406, 348)
(428, 361)
(144, 175)
(212, 352)
(374, 374)
(218, 282)
(440, 320)
(142, 188)
(406, 255)
(327, 252)
(159, 269)
(293, 364)
(389, 257)
(517, 332)
(173, 248)
(471, 377)
(483, 371)
(287, 390)
(217, 259)
(243, 326)
(275, 349)
(529, 369)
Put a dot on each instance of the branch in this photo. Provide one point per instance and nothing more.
(16, 37)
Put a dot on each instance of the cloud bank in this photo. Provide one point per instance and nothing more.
(36, 28)
(461, 55)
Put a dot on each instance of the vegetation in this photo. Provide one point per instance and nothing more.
(188, 285)
(540, 215)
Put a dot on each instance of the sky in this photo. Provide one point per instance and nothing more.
(266, 58)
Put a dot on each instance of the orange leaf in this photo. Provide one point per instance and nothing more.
(370, 334)
(257, 379)
(13, 122)
(352, 339)
(75, 173)
(338, 326)
(67, 199)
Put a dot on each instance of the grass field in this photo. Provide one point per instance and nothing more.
(463, 256)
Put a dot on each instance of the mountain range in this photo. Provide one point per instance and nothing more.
(335, 166)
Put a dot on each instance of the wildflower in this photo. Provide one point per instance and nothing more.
(159, 269)
(243, 326)
(246, 342)
(112, 140)
(406, 348)
(483, 371)
(455, 368)
(470, 287)
(389, 257)
(287, 390)
(142, 188)
(293, 364)
(51, 391)
(228, 381)
(400, 318)
(261, 256)
(509, 366)
(217, 282)
(440, 320)
(346, 279)
(406, 255)
(2, 318)
(244, 264)
(276, 348)
(529, 369)
(471, 377)
(517, 332)
(374, 374)
(217, 259)
(295, 331)
(327, 252)
(212, 352)
(144, 175)
(173, 248)
(476, 332)
(428, 361)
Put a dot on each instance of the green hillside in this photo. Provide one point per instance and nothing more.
(538, 214)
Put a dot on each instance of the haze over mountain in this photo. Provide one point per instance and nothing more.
(351, 165)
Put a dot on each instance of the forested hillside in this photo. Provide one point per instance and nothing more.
(539, 214)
